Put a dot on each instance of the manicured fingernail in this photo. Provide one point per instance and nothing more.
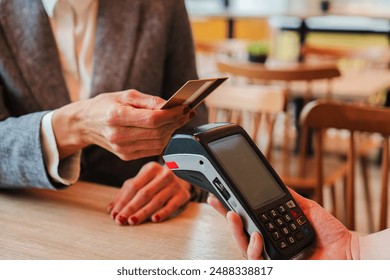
(157, 218)
(186, 110)
(122, 220)
(192, 114)
(134, 220)
(114, 215)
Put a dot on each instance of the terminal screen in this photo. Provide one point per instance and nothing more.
(246, 170)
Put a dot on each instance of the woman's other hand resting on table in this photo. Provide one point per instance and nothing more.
(154, 193)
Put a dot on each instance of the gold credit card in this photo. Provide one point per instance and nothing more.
(193, 92)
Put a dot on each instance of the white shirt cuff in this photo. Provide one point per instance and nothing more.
(66, 171)
(375, 246)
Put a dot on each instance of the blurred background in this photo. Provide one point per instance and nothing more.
(281, 55)
(367, 22)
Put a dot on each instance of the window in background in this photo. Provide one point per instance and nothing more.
(264, 7)
(253, 21)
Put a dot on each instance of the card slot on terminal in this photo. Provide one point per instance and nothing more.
(221, 188)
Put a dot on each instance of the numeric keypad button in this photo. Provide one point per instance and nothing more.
(281, 209)
(299, 235)
(293, 226)
(273, 214)
(264, 217)
(279, 222)
(276, 235)
(287, 218)
(291, 240)
(270, 226)
(283, 245)
(290, 204)
(301, 220)
(285, 231)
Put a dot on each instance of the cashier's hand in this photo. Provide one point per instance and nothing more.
(154, 193)
(333, 241)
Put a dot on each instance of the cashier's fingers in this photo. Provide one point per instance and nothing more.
(216, 204)
(236, 228)
(251, 250)
(255, 247)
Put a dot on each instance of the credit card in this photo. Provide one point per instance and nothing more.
(193, 92)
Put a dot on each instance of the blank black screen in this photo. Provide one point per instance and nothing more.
(246, 170)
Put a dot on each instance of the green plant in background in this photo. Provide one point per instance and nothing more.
(258, 48)
(258, 51)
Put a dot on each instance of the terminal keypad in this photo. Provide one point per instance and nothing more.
(286, 224)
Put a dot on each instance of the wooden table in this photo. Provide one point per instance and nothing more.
(351, 86)
(73, 224)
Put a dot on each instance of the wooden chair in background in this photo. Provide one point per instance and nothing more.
(282, 76)
(260, 102)
(351, 59)
(322, 115)
(285, 162)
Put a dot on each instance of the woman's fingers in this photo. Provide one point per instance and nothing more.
(118, 122)
(172, 205)
(155, 192)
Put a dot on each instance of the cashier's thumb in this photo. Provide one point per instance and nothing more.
(255, 247)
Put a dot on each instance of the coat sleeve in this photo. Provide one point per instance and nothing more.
(21, 159)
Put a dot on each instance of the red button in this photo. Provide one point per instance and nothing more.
(172, 165)
(295, 213)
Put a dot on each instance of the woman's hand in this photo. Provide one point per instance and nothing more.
(154, 193)
(130, 124)
(333, 240)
